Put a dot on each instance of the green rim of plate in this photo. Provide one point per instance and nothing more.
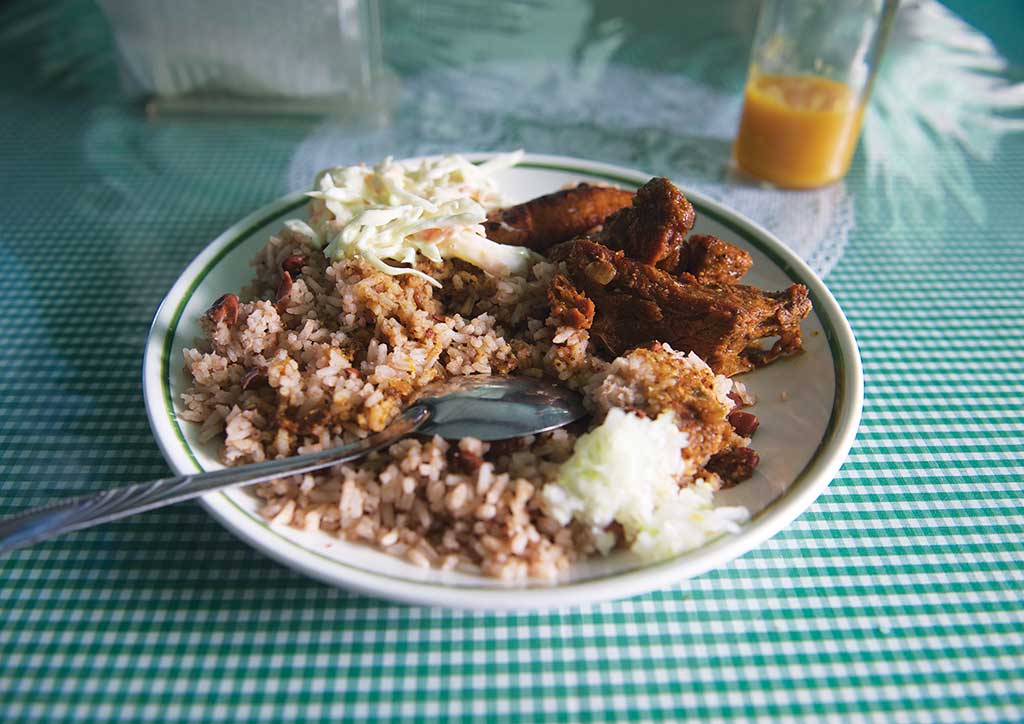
(751, 236)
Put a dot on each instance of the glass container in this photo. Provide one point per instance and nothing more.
(811, 70)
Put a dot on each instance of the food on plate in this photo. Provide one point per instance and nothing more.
(654, 380)
(653, 227)
(653, 230)
(637, 303)
(709, 260)
(394, 213)
(618, 473)
(549, 219)
(392, 283)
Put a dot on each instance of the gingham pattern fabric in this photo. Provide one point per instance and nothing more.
(897, 597)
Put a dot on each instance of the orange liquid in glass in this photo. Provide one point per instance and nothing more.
(797, 131)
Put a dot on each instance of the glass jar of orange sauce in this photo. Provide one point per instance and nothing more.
(810, 77)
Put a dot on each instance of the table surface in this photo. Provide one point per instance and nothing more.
(897, 596)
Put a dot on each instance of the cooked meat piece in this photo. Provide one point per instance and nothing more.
(568, 306)
(557, 217)
(653, 231)
(709, 259)
(734, 466)
(654, 227)
(639, 304)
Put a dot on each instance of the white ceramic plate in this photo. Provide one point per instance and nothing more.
(809, 406)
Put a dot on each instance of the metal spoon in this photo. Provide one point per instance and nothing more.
(481, 406)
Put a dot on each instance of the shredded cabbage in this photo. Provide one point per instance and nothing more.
(394, 211)
(627, 470)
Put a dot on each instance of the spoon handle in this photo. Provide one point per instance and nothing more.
(64, 516)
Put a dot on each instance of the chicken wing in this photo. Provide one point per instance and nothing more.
(548, 220)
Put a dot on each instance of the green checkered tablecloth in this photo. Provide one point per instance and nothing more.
(896, 597)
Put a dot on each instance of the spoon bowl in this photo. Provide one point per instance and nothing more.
(496, 408)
